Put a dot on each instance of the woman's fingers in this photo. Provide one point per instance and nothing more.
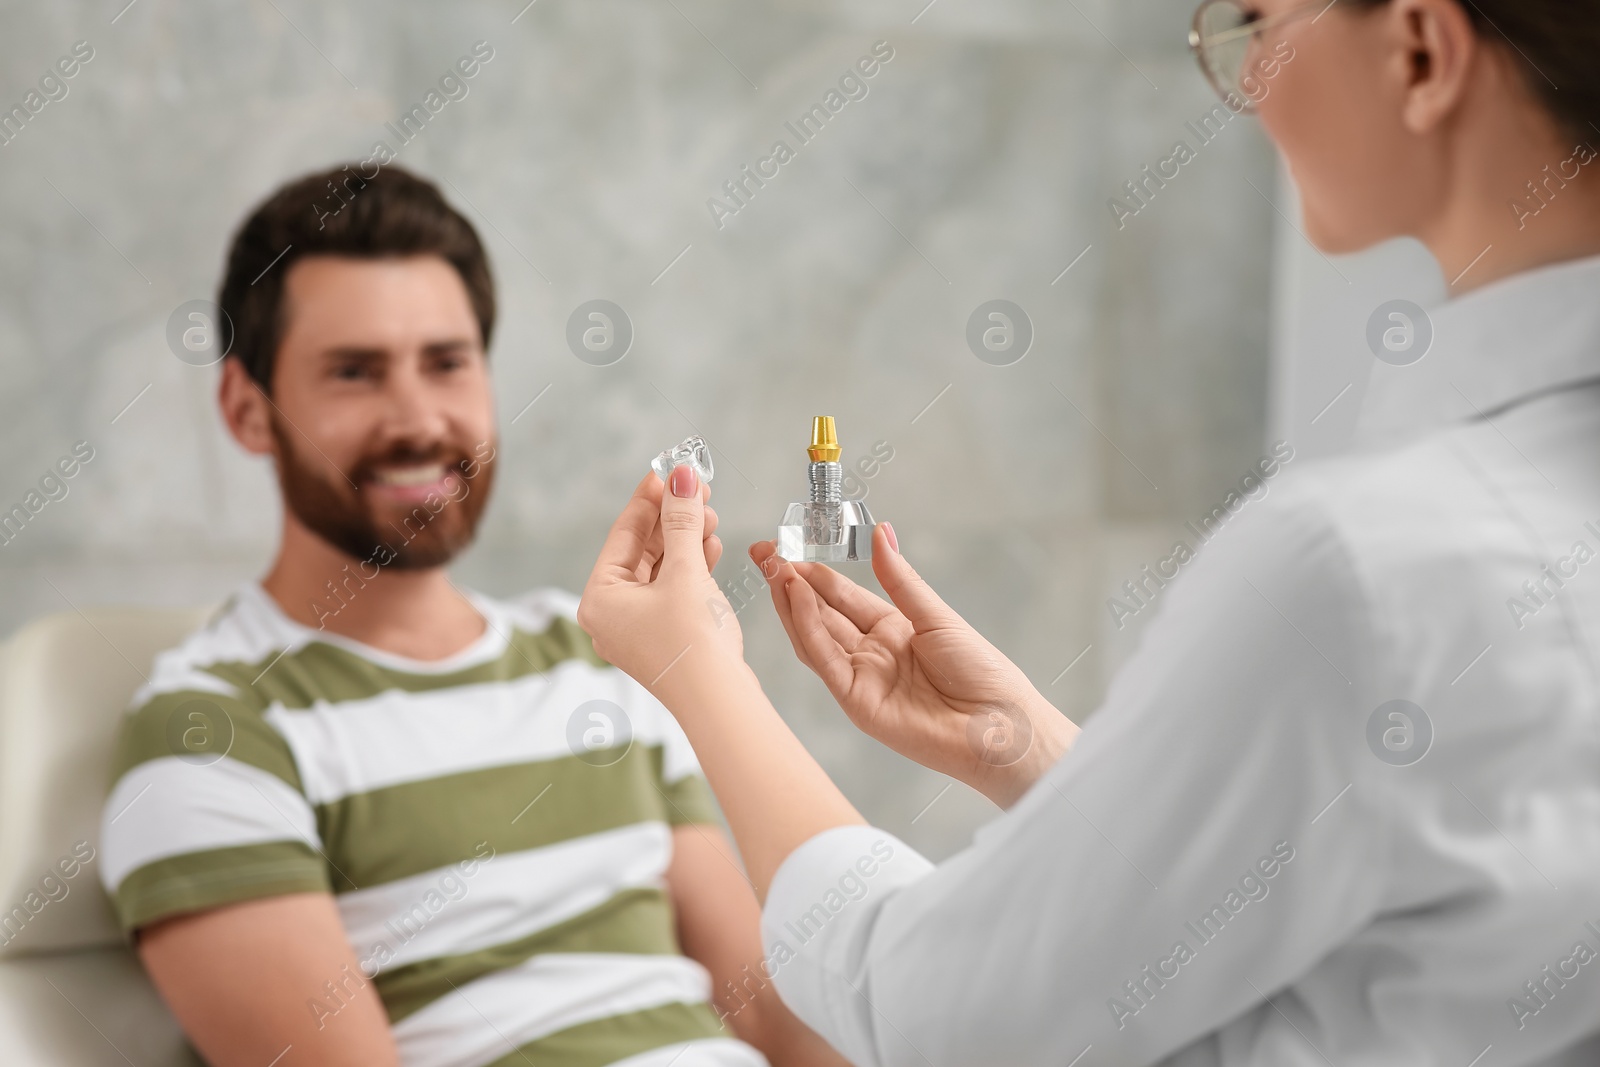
(683, 520)
(842, 629)
(845, 631)
(764, 554)
(776, 570)
(647, 561)
(626, 544)
(824, 654)
(713, 547)
(650, 558)
(905, 586)
(861, 607)
(650, 563)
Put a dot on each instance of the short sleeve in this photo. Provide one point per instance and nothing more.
(205, 809)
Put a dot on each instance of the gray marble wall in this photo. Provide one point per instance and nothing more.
(978, 166)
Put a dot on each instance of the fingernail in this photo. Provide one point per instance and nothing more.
(684, 481)
(888, 532)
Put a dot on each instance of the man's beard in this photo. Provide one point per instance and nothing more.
(322, 497)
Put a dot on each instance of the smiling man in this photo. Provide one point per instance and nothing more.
(364, 816)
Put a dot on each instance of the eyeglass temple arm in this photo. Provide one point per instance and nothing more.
(1250, 29)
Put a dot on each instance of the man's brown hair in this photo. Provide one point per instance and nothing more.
(394, 213)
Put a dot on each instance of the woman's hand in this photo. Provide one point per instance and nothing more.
(914, 675)
(652, 609)
(651, 597)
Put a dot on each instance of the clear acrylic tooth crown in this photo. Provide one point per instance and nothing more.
(827, 528)
(692, 450)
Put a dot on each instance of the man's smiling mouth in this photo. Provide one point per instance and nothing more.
(410, 477)
(412, 481)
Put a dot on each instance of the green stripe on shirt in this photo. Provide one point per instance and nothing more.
(632, 921)
(408, 829)
(617, 1037)
(321, 671)
(202, 726)
(201, 880)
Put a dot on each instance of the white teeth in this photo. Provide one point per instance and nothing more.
(411, 476)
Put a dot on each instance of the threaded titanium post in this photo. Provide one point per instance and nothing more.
(826, 483)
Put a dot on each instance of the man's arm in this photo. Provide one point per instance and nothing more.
(719, 927)
(270, 981)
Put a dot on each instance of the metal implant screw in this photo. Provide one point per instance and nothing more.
(827, 528)
(826, 482)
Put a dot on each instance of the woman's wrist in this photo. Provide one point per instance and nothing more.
(1050, 736)
(702, 674)
(771, 790)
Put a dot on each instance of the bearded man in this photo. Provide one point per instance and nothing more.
(365, 816)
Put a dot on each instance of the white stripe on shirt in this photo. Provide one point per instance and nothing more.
(507, 897)
(170, 806)
(396, 737)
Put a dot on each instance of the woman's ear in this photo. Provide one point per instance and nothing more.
(245, 408)
(1438, 54)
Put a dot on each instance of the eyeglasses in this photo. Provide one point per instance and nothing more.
(1222, 37)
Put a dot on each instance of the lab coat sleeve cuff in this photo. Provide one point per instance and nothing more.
(817, 924)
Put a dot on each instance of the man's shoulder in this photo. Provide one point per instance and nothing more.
(197, 702)
(237, 636)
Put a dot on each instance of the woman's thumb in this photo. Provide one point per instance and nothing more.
(683, 519)
(913, 596)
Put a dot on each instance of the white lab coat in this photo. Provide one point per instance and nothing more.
(1241, 863)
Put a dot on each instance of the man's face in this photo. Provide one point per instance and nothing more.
(382, 414)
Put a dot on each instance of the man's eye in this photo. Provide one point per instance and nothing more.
(351, 372)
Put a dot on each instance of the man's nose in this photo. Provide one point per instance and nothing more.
(414, 411)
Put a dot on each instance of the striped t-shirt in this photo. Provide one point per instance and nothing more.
(494, 827)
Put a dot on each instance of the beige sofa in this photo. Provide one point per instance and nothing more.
(71, 991)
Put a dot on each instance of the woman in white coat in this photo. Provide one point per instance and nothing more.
(1343, 804)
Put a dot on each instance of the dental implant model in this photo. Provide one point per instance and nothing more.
(692, 451)
(827, 528)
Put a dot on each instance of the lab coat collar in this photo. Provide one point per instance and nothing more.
(1509, 342)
